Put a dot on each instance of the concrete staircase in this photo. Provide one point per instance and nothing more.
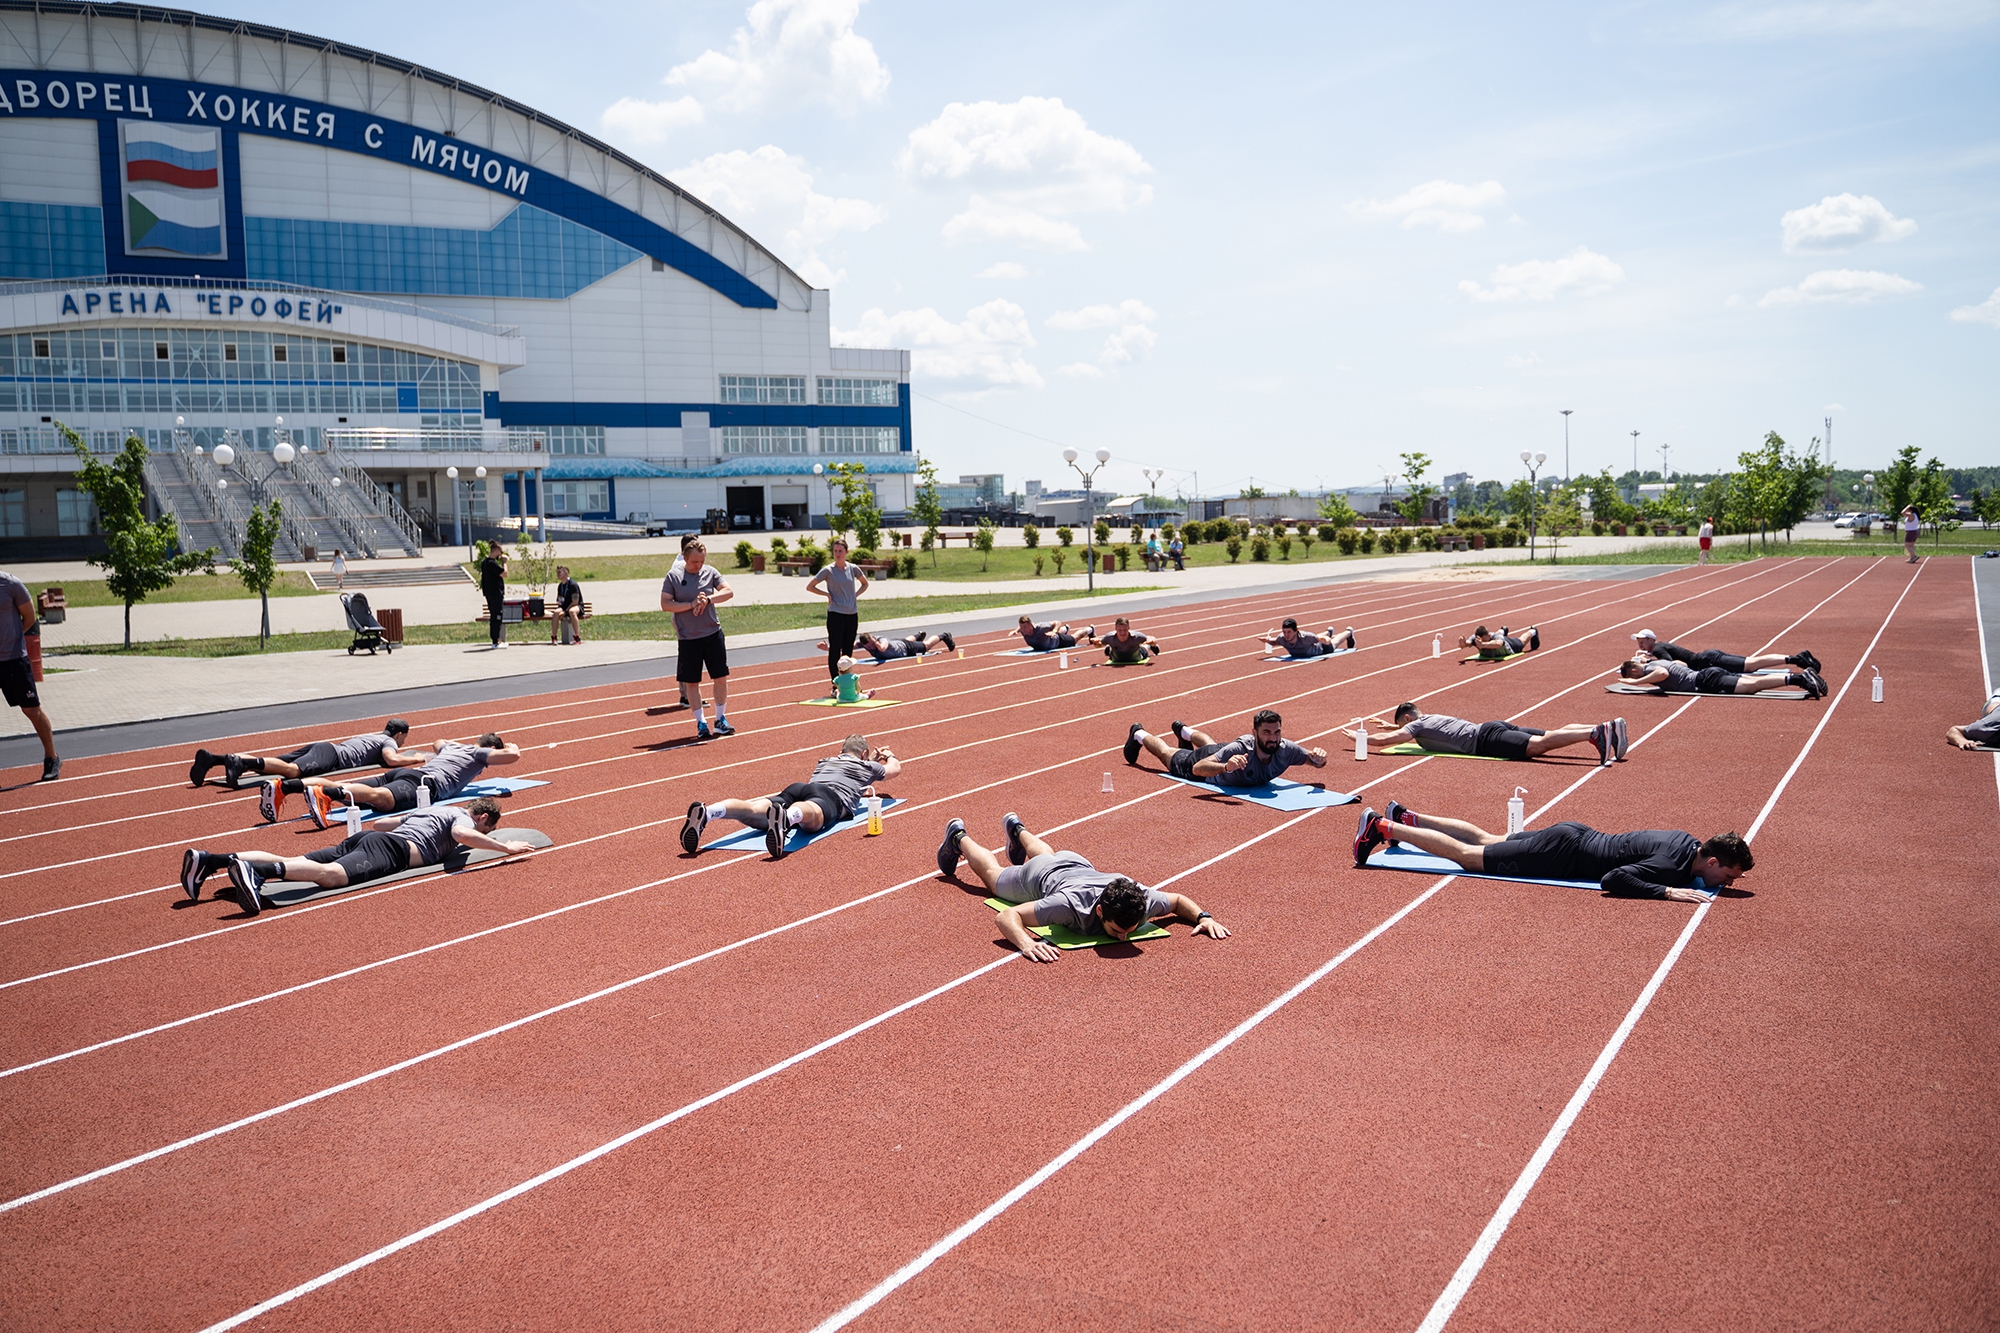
(327, 504)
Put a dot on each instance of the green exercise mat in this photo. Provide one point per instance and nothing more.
(858, 703)
(1065, 938)
(1411, 747)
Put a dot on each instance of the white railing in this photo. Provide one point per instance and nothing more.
(385, 504)
(437, 440)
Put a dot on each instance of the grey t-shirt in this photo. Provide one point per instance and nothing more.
(888, 650)
(1305, 645)
(1986, 730)
(848, 774)
(1680, 676)
(430, 831)
(685, 585)
(456, 765)
(1259, 770)
(1071, 887)
(360, 751)
(1443, 735)
(13, 642)
(841, 588)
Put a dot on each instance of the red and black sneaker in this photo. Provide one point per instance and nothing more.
(1368, 837)
(1398, 813)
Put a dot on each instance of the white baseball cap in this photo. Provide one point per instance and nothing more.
(1645, 634)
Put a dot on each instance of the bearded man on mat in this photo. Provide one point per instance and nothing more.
(1503, 644)
(1650, 646)
(834, 792)
(1680, 678)
(1123, 646)
(423, 838)
(1650, 863)
(1052, 888)
(315, 760)
(1440, 733)
(454, 767)
(1248, 761)
(1288, 640)
(1048, 638)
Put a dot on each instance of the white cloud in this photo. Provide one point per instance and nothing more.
(987, 349)
(1783, 22)
(1080, 370)
(1006, 270)
(1582, 273)
(1851, 286)
(791, 53)
(1841, 221)
(770, 192)
(1986, 312)
(1441, 205)
(635, 121)
(1130, 318)
(993, 220)
(1522, 362)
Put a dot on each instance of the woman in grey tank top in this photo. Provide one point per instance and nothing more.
(841, 584)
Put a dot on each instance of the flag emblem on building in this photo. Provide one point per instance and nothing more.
(172, 186)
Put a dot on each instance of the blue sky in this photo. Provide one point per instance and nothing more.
(1289, 243)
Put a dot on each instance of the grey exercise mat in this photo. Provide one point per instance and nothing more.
(465, 860)
(1626, 687)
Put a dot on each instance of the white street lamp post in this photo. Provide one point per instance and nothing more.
(457, 519)
(1567, 474)
(1090, 512)
(1533, 461)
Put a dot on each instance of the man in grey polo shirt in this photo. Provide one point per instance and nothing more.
(1440, 733)
(692, 593)
(454, 767)
(17, 677)
(1248, 761)
(834, 792)
(1052, 888)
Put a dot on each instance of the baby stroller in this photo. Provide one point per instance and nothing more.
(367, 629)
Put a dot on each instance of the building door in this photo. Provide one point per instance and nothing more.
(746, 507)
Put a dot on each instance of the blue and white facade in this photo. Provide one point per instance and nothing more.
(218, 224)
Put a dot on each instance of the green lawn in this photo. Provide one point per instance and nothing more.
(222, 586)
(908, 612)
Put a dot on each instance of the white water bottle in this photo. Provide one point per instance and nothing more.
(423, 796)
(1517, 812)
(1062, 660)
(1875, 685)
(1437, 645)
(353, 819)
(1361, 742)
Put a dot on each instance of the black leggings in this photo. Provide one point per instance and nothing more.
(495, 624)
(841, 627)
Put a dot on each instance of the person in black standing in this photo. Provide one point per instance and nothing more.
(840, 583)
(493, 583)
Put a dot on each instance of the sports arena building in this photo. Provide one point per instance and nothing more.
(216, 232)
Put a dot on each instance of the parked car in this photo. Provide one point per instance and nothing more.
(1846, 520)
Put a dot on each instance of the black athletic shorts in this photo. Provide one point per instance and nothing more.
(1504, 740)
(1181, 762)
(1544, 853)
(1714, 680)
(314, 760)
(1131, 653)
(402, 784)
(17, 682)
(368, 855)
(826, 798)
(707, 651)
(1715, 657)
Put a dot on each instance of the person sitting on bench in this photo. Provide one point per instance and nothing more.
(1650, 863)
(1651, 646)
(1123, 646)
(1052, 888)
(835, 791)
(1440, 733)
(314, 760)
(1056, 634)
(568, 626)
(1247, 761)
(455, 767)
(1287, 639)
(423, 838)
(1680, 678)
(1984, 732)
(918, 644)
(1502, 644)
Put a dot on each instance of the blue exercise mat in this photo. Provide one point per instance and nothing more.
(472, 792)
(1397, 856)
(1036, 652)
(1289, 660)
(1291, 797)
(800, 838)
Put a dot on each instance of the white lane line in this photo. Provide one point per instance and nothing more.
(1482, 1248)
(1985, 667)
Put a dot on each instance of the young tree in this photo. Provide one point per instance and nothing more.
(140, 556)
(929, 508)
(1417, 501)
(256, 566)
(1897, 483)
(858, 511)
(983, 539)
(1933, 501)
(1335, 510)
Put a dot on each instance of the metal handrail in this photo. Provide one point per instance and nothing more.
(337, 503)
(353, 474)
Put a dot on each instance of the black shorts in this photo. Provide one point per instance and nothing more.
(1545, 853)
(1050, 642)
(402, 784)
(368, 855)
(1503, 740)
(1715, 657)
(826, 798)
(314, 760)
(1135, 652)
(707, 651)
(1714, 680)
(1181, 762)
(17, 682)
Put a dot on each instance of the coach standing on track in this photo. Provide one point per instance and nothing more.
(692, 594)
(841, 584)
(17, 677)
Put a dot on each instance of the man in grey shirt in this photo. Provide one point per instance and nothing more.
(1247, 761)
(834, 792)
(454, 767)
(1440, 733)
(17, 677)
(1986, 731)
(692, 593)
(313, 760)
(1052, 888)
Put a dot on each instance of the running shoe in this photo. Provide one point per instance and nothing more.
(1809, 662)
(270, 799)
(1398, 813)
(319, 804)
(196, 867)
(947, 857)
(697, 820)
(1620, 743)
(950, 644)
(1368, 837)
(1815, 685)
(198, 770)
(232, 772)
(247, 882)
(702, 733)
(776, 830)
(1181, 734)
(1016, 853)
(1600, 736)
(1534, 638)
(51, 768)
(1132, 746)
(722, 727)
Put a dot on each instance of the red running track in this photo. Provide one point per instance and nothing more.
(608, 1085)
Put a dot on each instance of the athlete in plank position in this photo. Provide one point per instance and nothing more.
(1287, 639)
(834, 792)
(422, 838)
(1986, 731)
(1680, 678)
(1440, 733)
(1052, 888)
(1123, 646)
(918, 644)
(1651, 646)
(455, 767)
(310, 761)
(1247, 761)
(1047, 638)
(1502, 644)
(1649, 863)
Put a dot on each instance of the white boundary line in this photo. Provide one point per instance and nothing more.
(1986, 682)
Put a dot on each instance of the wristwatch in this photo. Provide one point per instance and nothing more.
(1203, 917)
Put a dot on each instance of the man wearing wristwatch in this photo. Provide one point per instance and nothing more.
(1051, 888)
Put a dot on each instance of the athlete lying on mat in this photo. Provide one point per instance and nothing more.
(1651, 863)
(1503, 644)
(834, 792)
(1047, 638)
(1442, 734)
(310, 761)
(1123, 646)
(1287, 639)
(1986, 731)
(1052, 888)
(1247, 761)
(890, 650)
(455, 766)
(1650, 646)
(1683, 679)
(423, 838)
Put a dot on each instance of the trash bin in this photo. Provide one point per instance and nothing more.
(1109, 563)
(392, 623)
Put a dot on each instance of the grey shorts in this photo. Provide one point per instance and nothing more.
(1023, 884)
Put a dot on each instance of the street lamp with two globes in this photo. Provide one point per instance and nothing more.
(1089, 512)
(1534, 461)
